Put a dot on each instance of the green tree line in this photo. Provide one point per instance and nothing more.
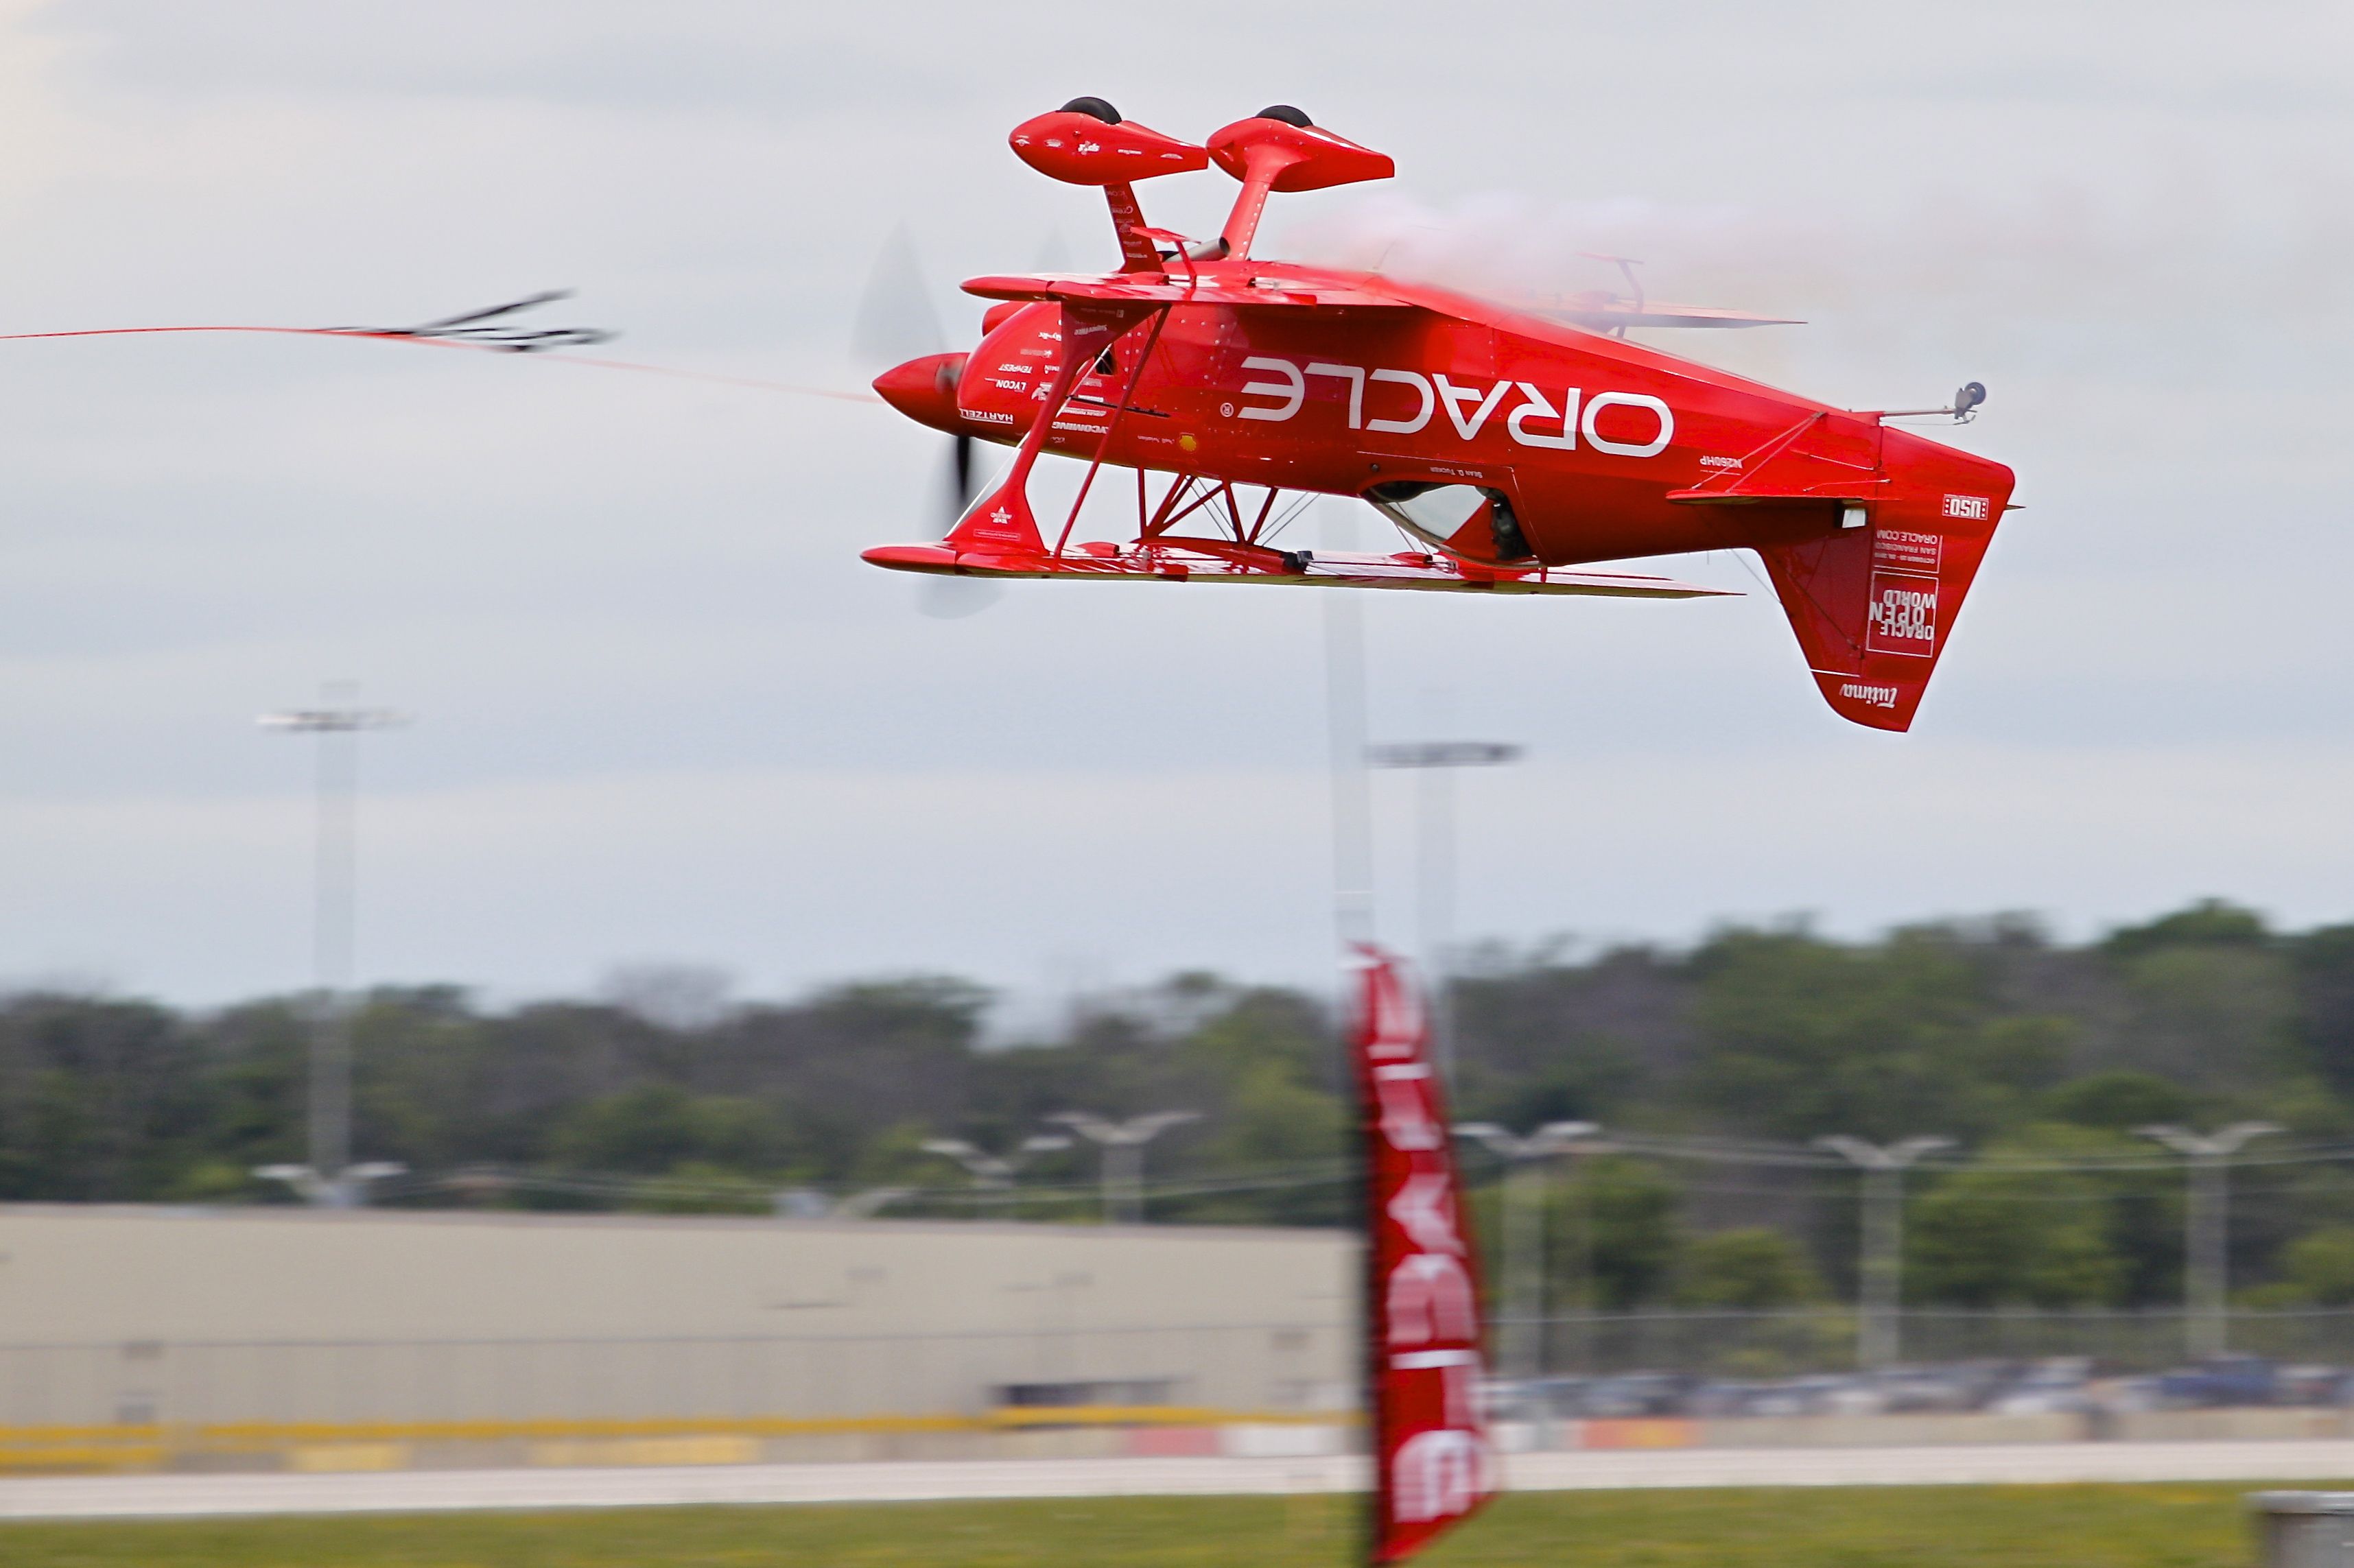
(2027, 1051)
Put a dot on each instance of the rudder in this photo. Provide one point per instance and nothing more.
(1874, 606)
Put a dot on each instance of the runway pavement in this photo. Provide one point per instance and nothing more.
(402, 1491)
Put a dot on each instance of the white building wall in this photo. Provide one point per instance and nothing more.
(126, 1313)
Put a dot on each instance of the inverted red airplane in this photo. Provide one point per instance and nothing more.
(1512, 447)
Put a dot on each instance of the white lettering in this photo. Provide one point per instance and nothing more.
(1567, 414)
(1602, 401)
(1437, 1474)
(1355, 374)
(1468, 409)
(1406, 1122)
(1398, 1024)
(1456, 396)
(1973, 507)
(1909, 614)
(1429, 1297)
(1424, 1209)
(1292, 390)
(1429, 403)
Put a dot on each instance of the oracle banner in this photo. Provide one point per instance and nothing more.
(1430, 1446)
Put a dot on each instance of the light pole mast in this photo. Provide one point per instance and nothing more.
(1433, 763)
(1524, 1226)
(1880, 1284)
(1351, 806)
(331, 1178)
(996, 1173)
(1122, 1143)
(2206, 1260)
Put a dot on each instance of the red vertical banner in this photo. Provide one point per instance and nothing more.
(1432, 1463)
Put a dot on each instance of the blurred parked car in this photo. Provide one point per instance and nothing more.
(2219, 1380)
(1528, 1399)
(2058, 1386)
(2312, 1385)
(1720, 1398)
(1961, 1385)
(2055, 1385)
(1636, 1394)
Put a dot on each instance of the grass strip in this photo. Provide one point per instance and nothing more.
(2162, 1526)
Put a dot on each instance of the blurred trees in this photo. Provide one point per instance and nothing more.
(2316, 1269)
(2014, 1230)
(1752, 1268)
(665, 1094)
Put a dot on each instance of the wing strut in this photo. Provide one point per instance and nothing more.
(1103, 441)
(1001, 522)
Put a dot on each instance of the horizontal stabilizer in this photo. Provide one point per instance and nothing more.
(1236, 294)
(1827, 456)
(1612, 313)
(1215, 560)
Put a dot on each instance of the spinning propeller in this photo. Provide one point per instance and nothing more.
(897, 322)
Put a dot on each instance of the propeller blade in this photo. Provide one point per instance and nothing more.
(953, 599)
(959, 477)
(896, 320)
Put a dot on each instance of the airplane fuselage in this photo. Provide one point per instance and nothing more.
(1575, 447)
(1586, 436)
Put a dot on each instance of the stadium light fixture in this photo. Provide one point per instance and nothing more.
(1525, 1159)
(336, 726)
(1434, 764)
(2206, 1251)
(996, 1173)
(1880, 1272)
(1122, 1143)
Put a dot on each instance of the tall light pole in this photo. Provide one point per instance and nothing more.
(2206, 1260)
(331, 1180)
(1352, 805)
(1122, 1143)
(1879, 1283)
(1433, 763)
(994, 1173)
(1524, 1160)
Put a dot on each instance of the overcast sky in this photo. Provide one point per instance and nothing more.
(663, 713)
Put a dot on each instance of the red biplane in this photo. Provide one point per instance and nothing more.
(1513, 449)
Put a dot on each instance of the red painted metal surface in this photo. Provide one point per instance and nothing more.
(1434, 1462)
(1082, 150)
(1201, 364)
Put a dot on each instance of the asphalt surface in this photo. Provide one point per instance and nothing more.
(403, 1491)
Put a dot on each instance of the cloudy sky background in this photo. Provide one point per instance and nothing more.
(664, 714)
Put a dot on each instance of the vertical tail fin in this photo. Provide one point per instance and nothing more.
(1874, 604)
